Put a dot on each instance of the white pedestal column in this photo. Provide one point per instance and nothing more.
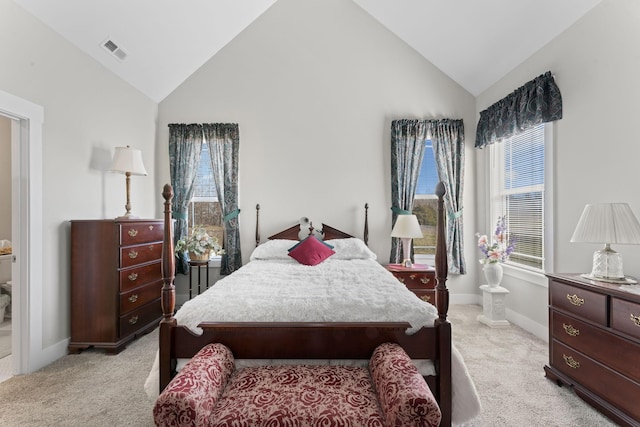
(494, 312)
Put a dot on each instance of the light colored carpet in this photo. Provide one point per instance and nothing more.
(507, 368)
(93, 389)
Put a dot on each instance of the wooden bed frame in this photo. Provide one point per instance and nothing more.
(307, 340)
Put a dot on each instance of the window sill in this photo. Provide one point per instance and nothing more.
(535, 277)
(425, 259)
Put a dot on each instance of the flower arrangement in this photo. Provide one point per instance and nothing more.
(199, 243)
(499, 249)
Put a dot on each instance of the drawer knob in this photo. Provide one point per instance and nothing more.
(412, 276)
(575, 300)
(425, 280)
(151, 228)
(570, 330)
(401, 279)
(133, 320)
(133, 298)
(133, 276)
(426, 298)
(133, 232)
(635, 319)
(571, 362)
(133, 254)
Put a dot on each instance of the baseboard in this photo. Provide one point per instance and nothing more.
(540, 331)
(528, 325)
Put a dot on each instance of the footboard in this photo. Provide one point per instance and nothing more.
(292, 341)
(311, 341)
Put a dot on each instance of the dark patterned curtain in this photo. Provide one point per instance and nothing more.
(407, 150)
(224, 143)
(447, 137)
(538, 101)
(185, 147)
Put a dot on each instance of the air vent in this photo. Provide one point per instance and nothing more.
(115, 50)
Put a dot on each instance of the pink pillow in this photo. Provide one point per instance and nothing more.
(311, 251)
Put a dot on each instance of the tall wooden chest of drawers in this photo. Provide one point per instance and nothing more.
(116, 281)
(594, 344)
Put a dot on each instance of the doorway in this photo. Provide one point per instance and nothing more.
(26, 232)
(6, 365)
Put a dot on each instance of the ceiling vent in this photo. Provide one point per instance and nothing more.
(115, 50)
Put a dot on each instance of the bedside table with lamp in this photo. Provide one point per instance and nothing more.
(418, 278)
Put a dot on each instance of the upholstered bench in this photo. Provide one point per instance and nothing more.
(208, 391)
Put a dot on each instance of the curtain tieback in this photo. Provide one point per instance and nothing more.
(455, 215)
(231, 215)
(400, 211)
(178, 215)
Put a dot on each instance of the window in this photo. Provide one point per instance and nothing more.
(204, 208)
(425, 206)
(518, 192)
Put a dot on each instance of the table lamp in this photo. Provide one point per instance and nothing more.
(607, 223)
(128, 161)
(406, 228)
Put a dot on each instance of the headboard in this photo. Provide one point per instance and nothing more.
(329, 232)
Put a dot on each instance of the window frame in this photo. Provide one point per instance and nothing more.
(202, 199)
(425, 258)
(548, 198)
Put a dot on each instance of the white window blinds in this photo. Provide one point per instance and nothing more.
(517, 192)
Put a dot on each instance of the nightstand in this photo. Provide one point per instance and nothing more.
(419, 279)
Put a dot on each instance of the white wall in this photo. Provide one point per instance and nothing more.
(87, 112)
(597, 142)
(314, 86)
(5, 178)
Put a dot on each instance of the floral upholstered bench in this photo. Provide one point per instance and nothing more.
(208, 391)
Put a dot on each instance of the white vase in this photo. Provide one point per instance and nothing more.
(493, 273)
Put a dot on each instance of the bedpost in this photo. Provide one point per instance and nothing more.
(257, 224)
(442, 267)
(442, 325)
(366, 224)
(168, 259)
(168, 291)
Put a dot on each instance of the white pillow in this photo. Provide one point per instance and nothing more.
(351, 248)
(273, 249)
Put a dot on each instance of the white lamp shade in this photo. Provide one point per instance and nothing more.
(607, 223)
(407, 226)
(127, 159)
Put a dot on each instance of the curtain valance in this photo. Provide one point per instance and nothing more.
(537, 101)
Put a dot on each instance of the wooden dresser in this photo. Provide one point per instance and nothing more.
(420, 279)
(594, 344)
(116, 281)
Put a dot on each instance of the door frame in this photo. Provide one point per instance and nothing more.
(26, 228)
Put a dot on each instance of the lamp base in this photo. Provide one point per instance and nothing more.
(607, 264)
(406, 252)
(128, 215)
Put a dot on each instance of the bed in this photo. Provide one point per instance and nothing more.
(277, 324)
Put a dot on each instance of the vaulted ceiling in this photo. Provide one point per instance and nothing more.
(490, 37)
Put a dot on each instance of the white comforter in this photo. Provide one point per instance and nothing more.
(348, 287)
(334, 291)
